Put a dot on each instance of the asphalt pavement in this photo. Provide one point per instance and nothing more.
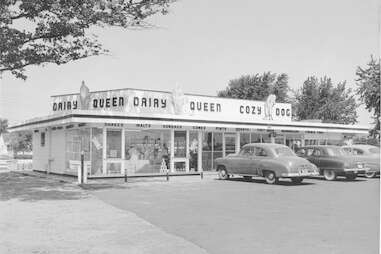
(237, 216)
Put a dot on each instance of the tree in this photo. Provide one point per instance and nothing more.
(257, 87)
(320, 99)
(3, 125)
(368, 82)
(21, 142)
(35, 32)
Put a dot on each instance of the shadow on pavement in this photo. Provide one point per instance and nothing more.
(339, 179)
(263, 181)
(14, 185)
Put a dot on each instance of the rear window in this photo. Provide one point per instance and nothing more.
(335, 151)
(284, 151)
(375, 150)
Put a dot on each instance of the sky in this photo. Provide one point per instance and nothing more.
(201, 45)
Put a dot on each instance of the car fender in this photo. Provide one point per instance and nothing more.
(271, 165)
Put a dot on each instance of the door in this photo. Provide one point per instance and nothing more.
(114, 151)
(181, 160)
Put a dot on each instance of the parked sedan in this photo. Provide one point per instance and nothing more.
(369, 154)
(271, 161)
(332, 161)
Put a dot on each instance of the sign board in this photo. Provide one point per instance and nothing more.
(175, 105)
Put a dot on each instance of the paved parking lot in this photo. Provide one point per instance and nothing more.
(236, 216)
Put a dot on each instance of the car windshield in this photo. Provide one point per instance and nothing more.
(375, 150)
(332, 151)
(284, 151)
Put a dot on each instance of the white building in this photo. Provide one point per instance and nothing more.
(142, 132)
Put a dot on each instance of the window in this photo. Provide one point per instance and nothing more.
(260, 152)
(42, 138)
(301, 152)
(317, 152)
(358, 151)
(247, 151)
(375, 150)
(284, 151)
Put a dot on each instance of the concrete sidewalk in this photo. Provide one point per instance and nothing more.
(40, 215)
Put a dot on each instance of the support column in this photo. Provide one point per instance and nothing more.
(238, 142)
(123, 151)
(50, 159)
(104, 152)
(187, 151)
(223, 145)
(172, 153)
(199, 152)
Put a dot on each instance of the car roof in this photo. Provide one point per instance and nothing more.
(265, 145)
(320, 146)
(362, 146)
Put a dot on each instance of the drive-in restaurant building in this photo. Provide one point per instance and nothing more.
(145, 132)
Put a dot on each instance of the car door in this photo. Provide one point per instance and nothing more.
(316, 157)
(242, 160)
(258, 155)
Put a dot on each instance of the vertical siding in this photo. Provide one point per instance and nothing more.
(40, 153)
(58, 151)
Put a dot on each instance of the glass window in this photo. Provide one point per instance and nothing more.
(193, 150)
(334, 151)
(375, 150)
(317, 152)
(180, 144)
(284, 151)
(256, 138)
(77, 140)
(358, 151)
(229, 143)
(247, 151)
(259, 151)
(217, 141)
(207, 151)
(244, 139)
(147, 151)
(114, 144)
(96, 151)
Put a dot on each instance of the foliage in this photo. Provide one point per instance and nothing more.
(368, 81)
(3, 125)
(34, 32)
(320, 99)
(258, 87)
(21, 141)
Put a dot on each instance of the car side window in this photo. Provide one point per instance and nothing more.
(347, 150)
(247, 151)
(260, 152)
(317, 152)
(309, 151)
(357, 151)
(301, 152)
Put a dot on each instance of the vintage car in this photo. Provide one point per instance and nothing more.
(369, 154)
(271, 161)
(332, 161)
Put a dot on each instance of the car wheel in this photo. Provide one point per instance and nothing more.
(329, 175)
(223, 173)
(350, 176)
(271, 177)
(370, 174)
(247, 178)
(297, 180)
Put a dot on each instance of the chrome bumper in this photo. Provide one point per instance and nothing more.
(300, 174)
(357, 170)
